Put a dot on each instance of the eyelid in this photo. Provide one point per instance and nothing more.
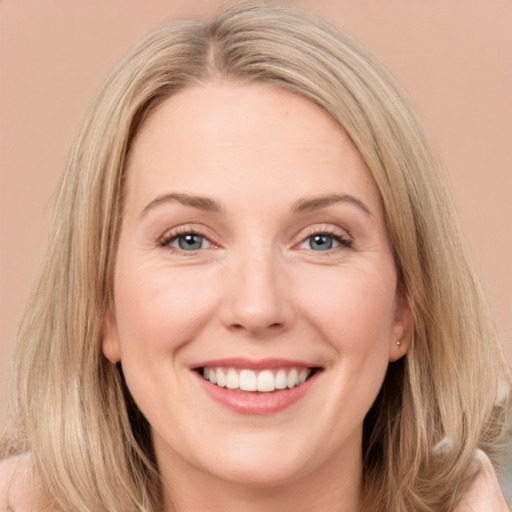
(342, 235)
(186, 229)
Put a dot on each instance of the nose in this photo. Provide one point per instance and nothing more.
(256, 298)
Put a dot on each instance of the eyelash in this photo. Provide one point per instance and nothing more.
(181, 231)
(344, 241)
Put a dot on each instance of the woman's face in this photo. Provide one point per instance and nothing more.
(253, 255)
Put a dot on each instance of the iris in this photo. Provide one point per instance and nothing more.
(190, 242)
(320, 242)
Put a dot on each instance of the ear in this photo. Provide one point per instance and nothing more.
(403, 325)
(110, 339)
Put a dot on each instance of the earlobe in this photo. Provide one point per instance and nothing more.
(401, 333)
(110, 339)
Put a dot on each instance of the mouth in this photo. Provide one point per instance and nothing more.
(256, 387)
(267, 380)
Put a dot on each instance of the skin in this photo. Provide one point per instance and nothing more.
(256, 289)
(22, 490)
(484, 494)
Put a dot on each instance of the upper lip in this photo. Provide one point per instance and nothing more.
(254, 364)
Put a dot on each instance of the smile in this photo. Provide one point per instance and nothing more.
(264, 381)
(256, 387)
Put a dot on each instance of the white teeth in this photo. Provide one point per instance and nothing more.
(303, 375)
(281, 380)
(232, 379)
(263, 381)
(292, 379)
(266, 381)
(248, 380)
(221, 377)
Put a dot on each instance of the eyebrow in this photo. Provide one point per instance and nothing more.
(201, 203)
(303, 205)
(314, 203)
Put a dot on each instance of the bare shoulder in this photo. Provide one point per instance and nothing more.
(20, 489)
(484, 494)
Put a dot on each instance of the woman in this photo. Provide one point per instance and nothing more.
(256, 296)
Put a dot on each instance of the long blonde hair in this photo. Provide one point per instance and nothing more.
(90, 444)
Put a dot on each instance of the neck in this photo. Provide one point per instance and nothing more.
(332, 487)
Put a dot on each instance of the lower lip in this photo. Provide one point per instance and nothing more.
(257, 403)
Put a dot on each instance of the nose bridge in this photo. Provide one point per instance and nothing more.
(257, 300)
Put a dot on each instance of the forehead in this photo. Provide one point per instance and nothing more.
(246, 140)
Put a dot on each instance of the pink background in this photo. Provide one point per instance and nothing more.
(454, 58)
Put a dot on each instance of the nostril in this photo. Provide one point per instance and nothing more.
(254, 328)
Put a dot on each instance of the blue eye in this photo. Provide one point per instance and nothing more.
(189, 242)
(321, 242)
(325, 242)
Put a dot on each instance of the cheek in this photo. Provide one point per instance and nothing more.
(158, 309)
(157, 314)
(354, 309)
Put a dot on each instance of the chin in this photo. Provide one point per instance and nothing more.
(268, 459)
(271, 473)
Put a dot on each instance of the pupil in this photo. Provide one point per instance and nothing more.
(321, 242)
(190, 242)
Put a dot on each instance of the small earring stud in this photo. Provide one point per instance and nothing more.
(398, 342)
